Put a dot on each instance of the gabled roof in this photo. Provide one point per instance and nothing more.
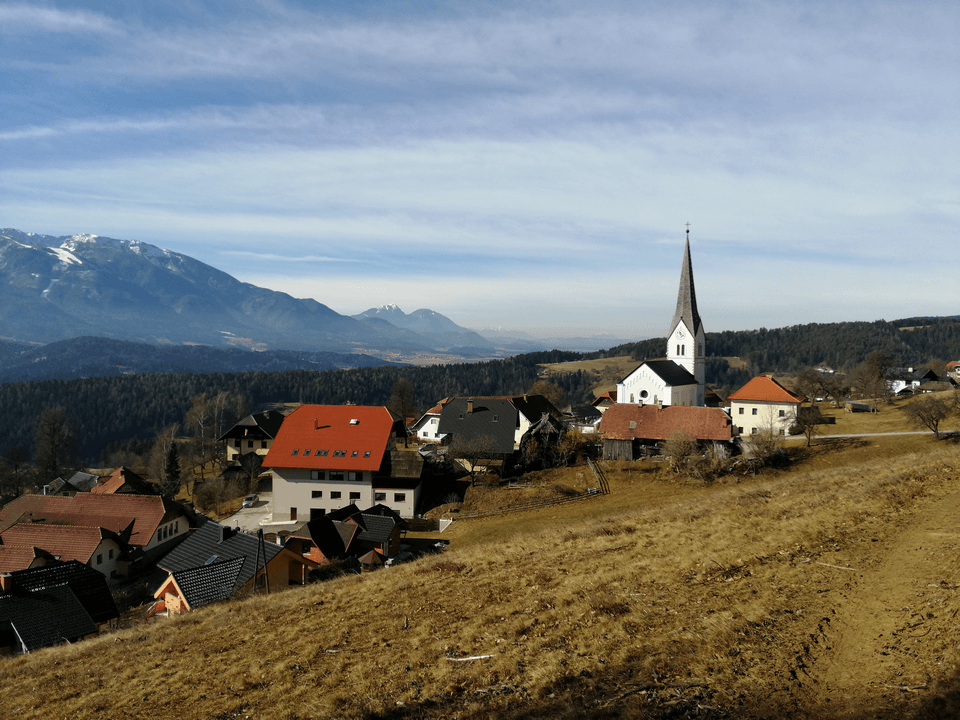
(764, 389)
(46, 617)
(650, 422)
(89, 586)
(214, 542)
(374, 528)
(333, 437)
(671, 373)
(472, 418)
(83, 481)
(68, 542)
(534, 407)
(113, 512)
(258, 425)
(608, 397)
(20, 557)
(686, 297)
(124, 480)
(208, 584)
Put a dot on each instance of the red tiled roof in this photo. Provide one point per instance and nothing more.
(111, 512)
(119, 478)
(651, 422)
(952, 364)
(332, 437)
(765, 389)
(18, 557)
(69, 542)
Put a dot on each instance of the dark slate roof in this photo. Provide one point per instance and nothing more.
(213, 542)
(494, 418)
(46, 617)
(375, 528)
(670, 372)
(347, 511)
(211, 583)
(83, 481)
(331, 537)
(686, 297)
(256, 426)
(584, 413)
(534, 407)
(89, 586)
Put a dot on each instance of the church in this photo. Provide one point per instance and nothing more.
(680, 378)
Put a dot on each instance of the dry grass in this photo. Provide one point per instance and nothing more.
(662, 599)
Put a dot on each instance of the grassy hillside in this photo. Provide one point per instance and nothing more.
(826, 591)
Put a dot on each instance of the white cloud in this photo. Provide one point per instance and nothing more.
(18, 17)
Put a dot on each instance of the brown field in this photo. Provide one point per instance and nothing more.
(828, 590)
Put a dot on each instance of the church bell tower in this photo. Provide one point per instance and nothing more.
(685, 346)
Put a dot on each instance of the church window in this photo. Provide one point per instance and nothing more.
(644, 393)
(631, 398)
(683, 349)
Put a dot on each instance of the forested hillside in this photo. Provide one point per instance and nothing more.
(910, 342)
(110, 410)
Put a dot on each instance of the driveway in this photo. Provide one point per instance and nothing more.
(252, 518)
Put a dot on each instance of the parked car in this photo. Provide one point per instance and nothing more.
(250, 500)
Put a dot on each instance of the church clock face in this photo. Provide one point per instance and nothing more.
(679, 333)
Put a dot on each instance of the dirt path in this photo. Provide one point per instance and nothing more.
(894, 619)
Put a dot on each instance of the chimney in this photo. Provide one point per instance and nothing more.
(224, 534)
(469, 406)
(316, 423)
(6, 583)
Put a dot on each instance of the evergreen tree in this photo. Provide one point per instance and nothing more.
(171, 473)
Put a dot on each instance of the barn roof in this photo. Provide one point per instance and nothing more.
(651, 422)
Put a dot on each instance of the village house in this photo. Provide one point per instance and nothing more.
(102, 550)
(326, 457)
(763, 406)
(217, 561)
(254, 433)
(630, 431)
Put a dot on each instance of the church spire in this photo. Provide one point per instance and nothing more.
(687, 297)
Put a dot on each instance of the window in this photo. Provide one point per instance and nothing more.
(740, 429)
(741, 411)
(306, 453)
(380, 496)
(293, 513)
(99, 558)
(176, 526)
(631, 397)
(644, 393)
(354, 453)
(354, 496)
(336, 475)
(399, 497)
(110, 554)
(753, 411)
(323, 453)
(317, 453)
(250, 444)
(782, 413)
(433, 421)
(316, 493)
(366, 454)
(263, 444)
(352, 477)
(295, 451)
(496, 418)
(238, 443)
(315, 474)
(334, 494)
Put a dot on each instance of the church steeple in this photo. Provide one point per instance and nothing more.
(687, 297)
(685, 345)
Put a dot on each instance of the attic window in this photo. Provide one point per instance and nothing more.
(354, 453)
(633, 424)
(367, 454)
(322, 452)
(354, 421)
(496, 418)
(460, 416)
(295, 451)
(306, 452)
(317, 453)
(210, 560)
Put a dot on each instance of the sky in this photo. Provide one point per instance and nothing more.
(528, 165)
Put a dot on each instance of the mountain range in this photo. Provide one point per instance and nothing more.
(55, 288)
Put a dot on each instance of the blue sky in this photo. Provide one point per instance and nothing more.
(525, 165)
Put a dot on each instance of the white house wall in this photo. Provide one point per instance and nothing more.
(754, 417)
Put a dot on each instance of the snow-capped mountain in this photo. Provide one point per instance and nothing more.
(441, 329)
(54, 288)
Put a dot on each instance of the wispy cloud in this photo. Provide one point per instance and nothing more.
(272, 257)
(19, 17)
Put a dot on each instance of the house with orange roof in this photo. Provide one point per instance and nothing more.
(100, 549)
(153, 522)
(126, 481)
(328, 456)
(426, 427)
(763, 406)
(627, 430)
(953, 369)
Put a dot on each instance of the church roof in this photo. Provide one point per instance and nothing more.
(687, 297)
(672, 373)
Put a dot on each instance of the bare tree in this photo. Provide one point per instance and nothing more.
(471, 453)
(929, 412)
(690, 457)
(199, 420)
(252, 464)
(15, 459)
(806, 421)
(551, 391)
(403, 402)
(56, 443)
(161, 449)
(225, 409)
